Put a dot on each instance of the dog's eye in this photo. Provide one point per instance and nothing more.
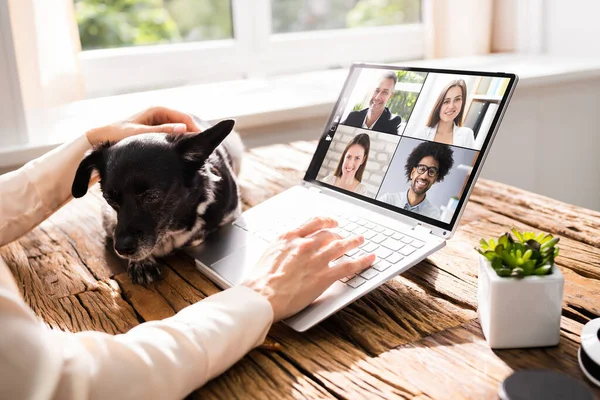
(149, 196)
(140, 188)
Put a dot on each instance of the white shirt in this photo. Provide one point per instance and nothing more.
(361, 188)
(364, 124)
(155, 360)
(400, 200)
(461, 135)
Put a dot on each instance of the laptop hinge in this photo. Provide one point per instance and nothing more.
(314, 189)
(422, 229)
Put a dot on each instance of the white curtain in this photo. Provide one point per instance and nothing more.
(458, 28)
(46, 45)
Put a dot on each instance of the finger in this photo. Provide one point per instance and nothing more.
(349, 268)
(324, 237)
(311, 226)
(167, 128)
(338, 248)
(163, 115)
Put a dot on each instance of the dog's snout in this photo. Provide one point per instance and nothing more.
(125, 245)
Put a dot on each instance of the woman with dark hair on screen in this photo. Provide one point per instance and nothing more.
(445, 121)
(349, 171)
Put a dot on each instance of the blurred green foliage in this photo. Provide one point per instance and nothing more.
(383, 12)
(302, 15)
(202, 19)
(115, 23)
(119, 23)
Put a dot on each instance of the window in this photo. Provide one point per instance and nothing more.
(147, 44)
(109, 24)
(317, 15)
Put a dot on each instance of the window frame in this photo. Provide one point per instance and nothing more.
(13, 124)
(253, 53)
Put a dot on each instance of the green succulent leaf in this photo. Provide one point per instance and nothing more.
(497, 262)
(503, 240)
(530, 254)
(490, 255)
(518, 272)
(518, 235)
(528, 267)
(543, 270)
(533, 244)
(499, 249)
(504, 272)
(509, 259)
(550, 243)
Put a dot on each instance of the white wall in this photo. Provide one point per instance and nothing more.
(571, 28)
(549, 142)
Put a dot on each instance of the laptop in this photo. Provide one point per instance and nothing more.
(396, 163)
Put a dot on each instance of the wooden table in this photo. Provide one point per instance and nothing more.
(415, 337)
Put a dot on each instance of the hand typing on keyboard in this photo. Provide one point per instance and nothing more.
(302, 263)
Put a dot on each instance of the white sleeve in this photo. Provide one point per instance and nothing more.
(161, 359)
(384, 197)
(329, 179)
(467, 137)
(33, 192)
(362, 189)
(420, 133)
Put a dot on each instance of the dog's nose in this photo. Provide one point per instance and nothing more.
(125, 245)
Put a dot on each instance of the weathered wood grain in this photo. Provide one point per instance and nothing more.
(539, 211)
(263, 376)
(415, 337)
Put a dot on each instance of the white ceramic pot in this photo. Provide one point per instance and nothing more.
(517, 313)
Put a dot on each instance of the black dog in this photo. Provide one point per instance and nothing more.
(166, 192)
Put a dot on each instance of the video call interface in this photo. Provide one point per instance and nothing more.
(410, 139)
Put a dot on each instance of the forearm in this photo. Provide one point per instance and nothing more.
(36, 190)
(163, 359)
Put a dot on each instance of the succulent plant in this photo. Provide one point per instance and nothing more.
(530, 254)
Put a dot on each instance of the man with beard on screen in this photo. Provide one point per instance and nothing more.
(427, 164)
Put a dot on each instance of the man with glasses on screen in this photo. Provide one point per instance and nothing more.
(427, 164)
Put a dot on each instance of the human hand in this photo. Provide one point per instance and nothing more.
(295, 270)
(155, 119)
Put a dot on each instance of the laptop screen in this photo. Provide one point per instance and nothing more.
(410, 139)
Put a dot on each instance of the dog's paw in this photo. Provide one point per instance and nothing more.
(144, 272)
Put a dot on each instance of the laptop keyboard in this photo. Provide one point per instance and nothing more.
(390, 246)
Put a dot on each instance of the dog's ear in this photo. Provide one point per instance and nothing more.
(195, 148)
(84, 172)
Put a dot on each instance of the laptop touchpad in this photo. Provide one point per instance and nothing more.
(237, 266)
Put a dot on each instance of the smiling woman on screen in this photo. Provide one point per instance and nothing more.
(445, 121)
(349, 171)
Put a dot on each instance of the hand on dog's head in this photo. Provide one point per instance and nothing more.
(152, 182)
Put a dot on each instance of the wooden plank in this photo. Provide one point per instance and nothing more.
(398, 312)
(437, 361)
(262, 375)
(415, 337)
(539, 211)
